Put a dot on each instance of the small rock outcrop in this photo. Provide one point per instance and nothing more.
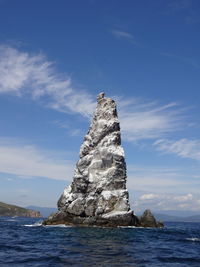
(98, 195)
(148, 220)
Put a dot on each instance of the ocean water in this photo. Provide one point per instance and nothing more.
(24, 242)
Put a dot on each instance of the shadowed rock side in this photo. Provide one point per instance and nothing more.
(98, 194)
(148, 220)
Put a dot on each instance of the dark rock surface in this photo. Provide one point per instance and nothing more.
(148, 220)
(98, 195)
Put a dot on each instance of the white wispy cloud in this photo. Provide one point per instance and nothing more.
(68, 126)
(183, 148)
(124, 35)
(188, 60)
(158, 182)
(29, 161)
(163, 179)
(183, 198)
(22, 73)
(149, 196)
(148, 120)
(167, 201)
(177, 5)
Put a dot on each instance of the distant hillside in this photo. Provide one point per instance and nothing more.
(166, 217)
(12, 210)
(178, 213)
(170, 218)
(43, 210)
(195, 218)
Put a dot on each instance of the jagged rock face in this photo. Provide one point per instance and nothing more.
(99, 183)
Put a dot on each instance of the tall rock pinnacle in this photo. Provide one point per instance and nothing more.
(98, 194)
(99, 184)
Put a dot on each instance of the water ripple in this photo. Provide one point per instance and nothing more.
(25, 242)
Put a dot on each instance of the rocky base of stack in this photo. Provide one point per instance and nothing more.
(108, 220)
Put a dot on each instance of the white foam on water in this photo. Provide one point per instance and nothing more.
(127, 226)
(36, 224)
(193, 239)
(58, 225)
(140, 227)
(137, 227)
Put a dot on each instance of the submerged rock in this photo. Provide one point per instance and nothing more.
(98, 194)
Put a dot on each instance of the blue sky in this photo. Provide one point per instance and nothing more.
(56, 56)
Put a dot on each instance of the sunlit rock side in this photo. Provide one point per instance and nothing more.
(98, 194)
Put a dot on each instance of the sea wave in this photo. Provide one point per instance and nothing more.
(193, 239)
(58, 225)
(61, 245)
(40, 224)
(36, 224)
(127, 227)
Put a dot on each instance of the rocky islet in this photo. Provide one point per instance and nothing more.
(98, 195)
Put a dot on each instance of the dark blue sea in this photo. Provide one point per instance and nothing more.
(24, 242)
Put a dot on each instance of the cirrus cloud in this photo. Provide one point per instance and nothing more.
(183, 148)
(23, 73)
(26, 160)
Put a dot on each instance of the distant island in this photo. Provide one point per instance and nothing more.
(173, 218)
(12, 210)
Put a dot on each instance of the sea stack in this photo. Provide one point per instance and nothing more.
(98, 195)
